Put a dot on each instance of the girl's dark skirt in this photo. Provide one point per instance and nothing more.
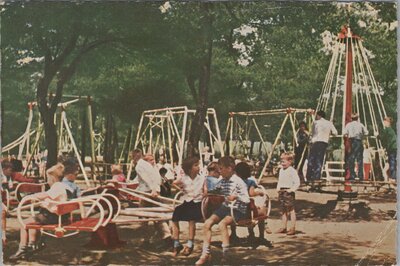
(188, 211)
(286, 200)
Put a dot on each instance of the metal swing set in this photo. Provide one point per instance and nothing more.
(242, 126)
(163, 132)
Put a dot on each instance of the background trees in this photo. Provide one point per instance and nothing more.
(136, 56)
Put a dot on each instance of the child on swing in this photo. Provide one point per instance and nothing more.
(57, 193)
(288, 183)
(193, 187)
(117, 173)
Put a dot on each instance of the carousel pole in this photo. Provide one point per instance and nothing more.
(347, 35)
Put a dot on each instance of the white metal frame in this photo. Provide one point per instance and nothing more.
(158, 127)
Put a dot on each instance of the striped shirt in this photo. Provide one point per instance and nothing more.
(237, 187)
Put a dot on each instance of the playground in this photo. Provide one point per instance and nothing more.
(122, 139)
(324, 235)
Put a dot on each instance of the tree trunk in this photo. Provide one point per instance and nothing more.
(50, 138)
(202, 103)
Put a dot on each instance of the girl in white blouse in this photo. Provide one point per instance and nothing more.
(193, 187)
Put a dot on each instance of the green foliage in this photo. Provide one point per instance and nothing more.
(277, 62)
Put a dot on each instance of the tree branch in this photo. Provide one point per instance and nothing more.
(67, 72)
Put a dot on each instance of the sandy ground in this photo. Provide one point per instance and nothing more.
(328, 233)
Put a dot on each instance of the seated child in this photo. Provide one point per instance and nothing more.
(213, 176)
(165, 188)
(193, 187)
(117, 173)
(243, 170)
(46, 215)
(288, 183)
(234, 189)
(16, 174)
(71, 169)
(3, 218)
(7, 168)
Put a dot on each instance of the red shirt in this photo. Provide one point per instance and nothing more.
(18, 177)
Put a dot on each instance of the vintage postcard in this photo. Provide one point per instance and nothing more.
(198, 133)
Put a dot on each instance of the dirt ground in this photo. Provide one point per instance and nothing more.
(328, 233)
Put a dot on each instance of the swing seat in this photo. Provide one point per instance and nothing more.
(106, 206)
(258, 210)
(254, 215)
(210, 203)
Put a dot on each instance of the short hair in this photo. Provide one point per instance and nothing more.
(116, 169)
(288, 156)
(389, 119)
(147, 155)
(227, 161)
(213, 166)
(56, 171)
(302, 123)
(70, 166)
(17, 165)
(188, 163)
(321, 113)
(137, 151)
(243, 170)
(163, 171)
(5, 164)
(354, 116)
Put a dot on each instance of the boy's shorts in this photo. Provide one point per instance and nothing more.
(224, 211)
(45, 217)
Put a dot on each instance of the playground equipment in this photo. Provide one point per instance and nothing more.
(349, 87)
(245, 126)
(29, 150)
(163, 132)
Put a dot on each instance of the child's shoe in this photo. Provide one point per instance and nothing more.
(291, 232)
(22, 253)
(187, 251)
(204, 258)
(176, 250)
(281, 231)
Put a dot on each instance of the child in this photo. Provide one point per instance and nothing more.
(213, 176)
(165, 189)
(117, 174)
(288, 183)
(193, 187)
(233, 188)
(46, 215)
(7, 169)
(243, 170)
(3, 216)
(71, 169)
(389, 142)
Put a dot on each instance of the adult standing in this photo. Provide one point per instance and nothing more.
(355, 131)
(301, 150)
(149, 181)
(321, 130)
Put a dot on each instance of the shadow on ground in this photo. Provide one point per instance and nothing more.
(298, 250)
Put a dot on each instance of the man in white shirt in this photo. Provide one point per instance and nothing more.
(321, 130)
(355, 131)
(149, 181)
